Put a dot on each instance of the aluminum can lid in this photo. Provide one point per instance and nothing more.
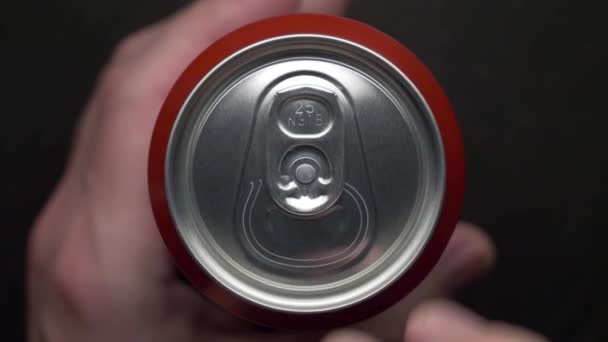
(306, 171)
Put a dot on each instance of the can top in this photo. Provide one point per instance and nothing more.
(306, 166)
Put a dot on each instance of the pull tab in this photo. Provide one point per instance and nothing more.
(305, 149)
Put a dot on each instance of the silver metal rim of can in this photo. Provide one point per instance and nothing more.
(395, 54)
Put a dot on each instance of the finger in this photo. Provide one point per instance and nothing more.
(445, 321)
(469, 253)
(335, 7)
(210, 19)
(348, 336)
(191, 30)
(147, 63)
(205, 21)
(156, 56)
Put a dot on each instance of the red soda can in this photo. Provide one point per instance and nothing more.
(306, 171)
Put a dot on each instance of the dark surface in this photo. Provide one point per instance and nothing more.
(526, 79)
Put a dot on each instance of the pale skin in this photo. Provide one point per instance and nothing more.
(97, 267)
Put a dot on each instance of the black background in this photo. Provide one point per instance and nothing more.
(526, 78)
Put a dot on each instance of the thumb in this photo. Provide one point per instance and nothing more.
(445, 321)
(469, 253)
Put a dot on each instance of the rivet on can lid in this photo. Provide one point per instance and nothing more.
(305, 173)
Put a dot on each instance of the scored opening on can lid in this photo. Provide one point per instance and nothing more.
(299, 170)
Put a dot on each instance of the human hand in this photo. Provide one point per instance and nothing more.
(98, 269)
